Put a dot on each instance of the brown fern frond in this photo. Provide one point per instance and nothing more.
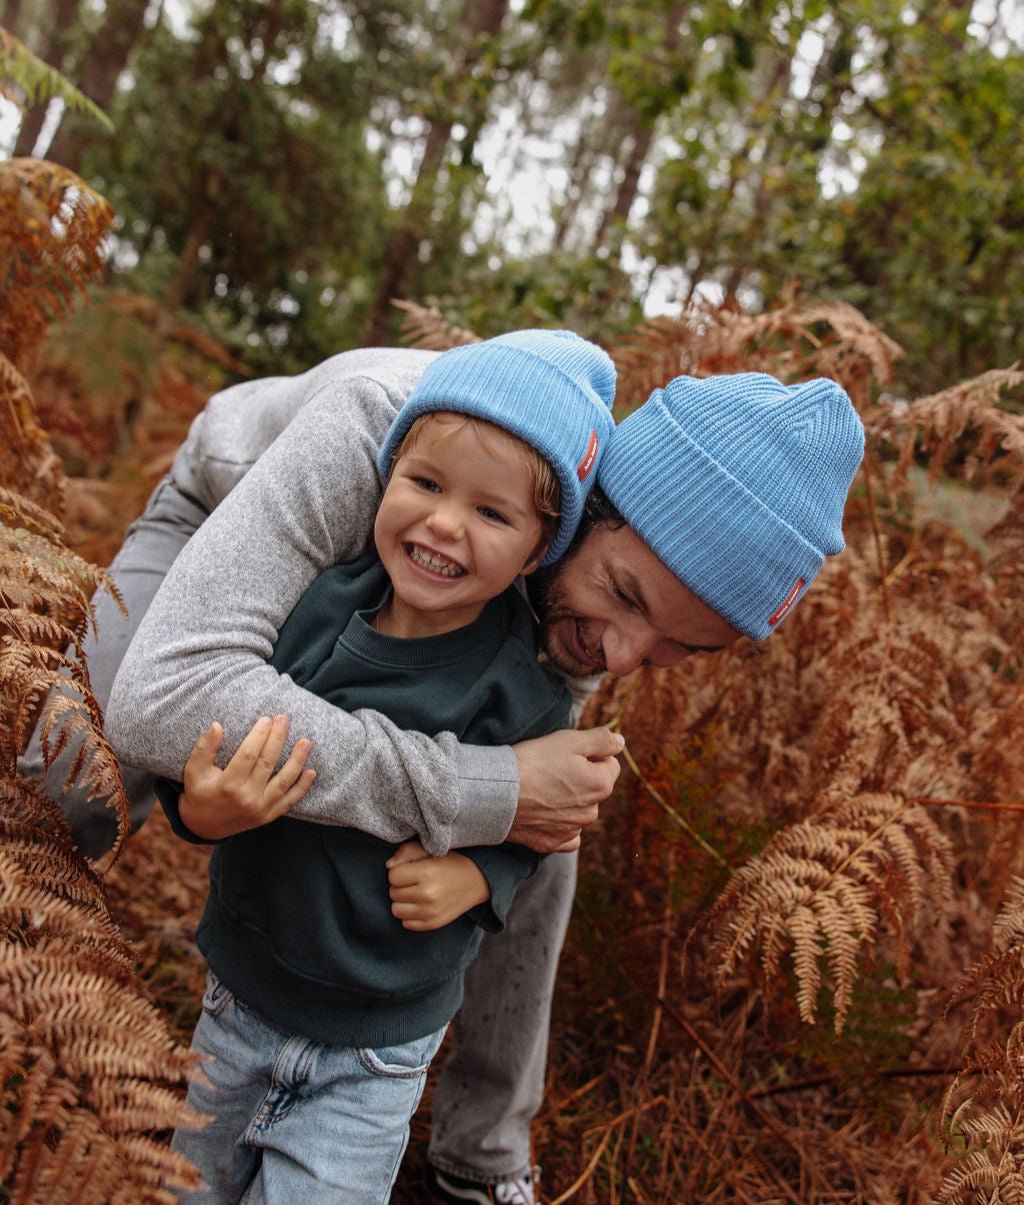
(857, 352)
(28, 464)
(997, 979)
(990, 1121)
(1006, 566)
(92, 1078)
(978, 1173)
(967, 422)
(45, 605)
(822, 888)
(794, 340)
(53, 235)
(425, 327)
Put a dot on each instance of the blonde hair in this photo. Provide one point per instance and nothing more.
(547, 493)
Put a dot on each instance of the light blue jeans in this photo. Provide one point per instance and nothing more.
(294, 1119)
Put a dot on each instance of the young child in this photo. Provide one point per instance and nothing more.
(335, 960)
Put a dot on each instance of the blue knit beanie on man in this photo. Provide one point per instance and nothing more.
(552, 389)
(737, 484)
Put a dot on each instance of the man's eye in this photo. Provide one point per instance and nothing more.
(621, 595)
(494, 515)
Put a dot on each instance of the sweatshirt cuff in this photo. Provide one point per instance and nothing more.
(488, 793)
(168, 792)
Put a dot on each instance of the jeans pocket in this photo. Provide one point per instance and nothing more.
(217, 996)
(408, 1060)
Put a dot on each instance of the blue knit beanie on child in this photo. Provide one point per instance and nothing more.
(552, 389)
(737, 484)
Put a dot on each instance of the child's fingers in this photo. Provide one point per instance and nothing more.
(415, 913)
(419, 926)
(410, 851)
(411, 916)
(244, 757)
(421, 918)
(402, 875)
(200, 760)
(289, 773)
(292, 796)
(268, 756)
(257, 755)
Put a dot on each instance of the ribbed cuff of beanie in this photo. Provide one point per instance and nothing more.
(712, 533)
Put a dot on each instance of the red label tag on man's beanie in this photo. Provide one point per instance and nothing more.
(787, 602)
(589, 458)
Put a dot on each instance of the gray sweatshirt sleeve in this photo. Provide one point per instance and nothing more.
(201, 650)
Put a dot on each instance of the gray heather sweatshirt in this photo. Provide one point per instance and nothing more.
(287, 465)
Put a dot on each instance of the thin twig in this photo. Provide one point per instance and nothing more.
(825, 1081)
(970, 803)
(587, 1172)
(671, 812)
(776, 1127)
(876, 533)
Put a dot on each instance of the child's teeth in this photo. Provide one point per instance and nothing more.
(435, 563)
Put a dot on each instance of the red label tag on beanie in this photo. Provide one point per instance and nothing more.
(787, 602)
(589, 458)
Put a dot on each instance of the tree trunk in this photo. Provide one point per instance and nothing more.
(484, 20)
(50, 46)
(641, 131)
(105, 59)
(405, 243)
(30, 129)
(614, 219)
(183, 281)
(596, 138)
(10, 16)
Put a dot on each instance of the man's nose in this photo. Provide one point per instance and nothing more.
(625, 649)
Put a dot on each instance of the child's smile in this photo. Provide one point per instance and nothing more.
(456, 526)
(433, 562)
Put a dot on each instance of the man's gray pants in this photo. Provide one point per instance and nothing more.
(492, 1083)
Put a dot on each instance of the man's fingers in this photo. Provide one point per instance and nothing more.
(545, 839)
(601, 742)
(552, 843)
(608, 770)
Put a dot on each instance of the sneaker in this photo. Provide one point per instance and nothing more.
(456, 1191)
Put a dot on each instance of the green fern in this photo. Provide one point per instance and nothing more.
(39, 82)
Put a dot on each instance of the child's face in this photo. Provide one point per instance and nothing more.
(456, 526)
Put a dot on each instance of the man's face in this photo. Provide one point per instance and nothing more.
(613, 606)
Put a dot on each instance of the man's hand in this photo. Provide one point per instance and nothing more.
(562, 779)
(246, 793)
(428, 893)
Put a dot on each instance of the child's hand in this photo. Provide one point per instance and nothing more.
(428, 893)
(246, 793)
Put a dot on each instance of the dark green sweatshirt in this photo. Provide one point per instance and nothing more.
(298, 920)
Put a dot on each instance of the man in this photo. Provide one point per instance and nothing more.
(721, 499)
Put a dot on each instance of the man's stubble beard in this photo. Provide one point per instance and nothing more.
(545, 588)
